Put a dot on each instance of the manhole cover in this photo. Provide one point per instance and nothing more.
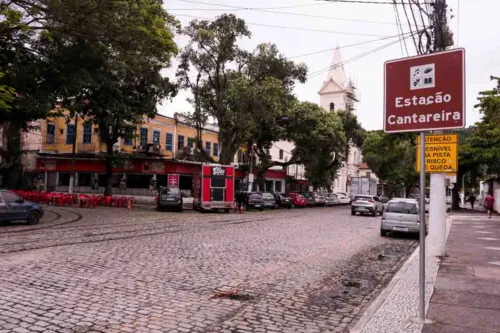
(238, 295)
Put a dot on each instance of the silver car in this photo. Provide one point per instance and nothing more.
(401, 215)
(331, 199)
(367, 204)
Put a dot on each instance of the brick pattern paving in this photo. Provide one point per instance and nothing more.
(109, 270)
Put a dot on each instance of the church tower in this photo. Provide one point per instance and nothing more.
(337, 93)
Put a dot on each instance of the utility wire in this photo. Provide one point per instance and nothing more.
(365, 2)
(346, 46)
(409, 23)
(398, 21)
(245, 8)
(324, 70)
(267, 10)
(293, 28)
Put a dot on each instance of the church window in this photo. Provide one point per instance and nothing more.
(332, 106)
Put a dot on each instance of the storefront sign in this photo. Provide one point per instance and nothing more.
(218, 171)
(173, 180)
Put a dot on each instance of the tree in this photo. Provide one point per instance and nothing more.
(392, 158)
(109, 69)
(211, 51)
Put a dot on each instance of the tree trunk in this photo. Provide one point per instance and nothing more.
(108, 189)
(227, 148)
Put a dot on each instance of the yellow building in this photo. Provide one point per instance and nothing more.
(158, 137)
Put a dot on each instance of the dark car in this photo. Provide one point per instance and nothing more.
(169, 198)
(254, 201)
(283, 200)
(311, 198)
(269, 201)
(14, 208)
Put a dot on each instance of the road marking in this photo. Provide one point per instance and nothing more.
(492, 248)
(479, 226)
(489, 238)
(482, 232)
(495, 263)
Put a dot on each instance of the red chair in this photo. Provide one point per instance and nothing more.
(108, 200)
(83, 200)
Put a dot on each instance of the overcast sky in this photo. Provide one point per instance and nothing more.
(474, 31)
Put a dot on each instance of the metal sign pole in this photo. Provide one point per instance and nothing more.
(422, 227)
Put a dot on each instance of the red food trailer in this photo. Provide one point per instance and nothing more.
(214, 188)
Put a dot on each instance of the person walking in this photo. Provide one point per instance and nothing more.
(488, 204)
(472, 200)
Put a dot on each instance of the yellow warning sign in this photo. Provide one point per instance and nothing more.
(440, 153)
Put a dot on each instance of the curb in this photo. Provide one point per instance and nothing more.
(384, 294)
(382, 297)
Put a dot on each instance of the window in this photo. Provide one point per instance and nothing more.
(281, 154)
(156, 137)
(129, 135)
(332, 106)
(143, 139)
(87, 133)
(277, 186)
(208, 147)
(169, 142)
(70, 134)
(180, 142)
(402, 207)
(216, 149)
(190, 142)
(51, 133)
(9, 197)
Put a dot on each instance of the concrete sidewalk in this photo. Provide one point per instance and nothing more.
(466, 295)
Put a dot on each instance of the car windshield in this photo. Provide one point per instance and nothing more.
(402, 207)
(169, 190)
(267, 195)
(331, 195)
(300, 196)
(255, 196)
(362, 198)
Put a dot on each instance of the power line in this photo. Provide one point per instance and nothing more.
(324, 70)
(249, 8)
(400, 28)
(346, 46)
(408, 20)
(365, 2)
(267, 10)
(293, 28)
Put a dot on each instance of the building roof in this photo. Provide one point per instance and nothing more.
(363, 165)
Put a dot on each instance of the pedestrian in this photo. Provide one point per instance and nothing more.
(472, 200)
(488, 204)
(240, 197)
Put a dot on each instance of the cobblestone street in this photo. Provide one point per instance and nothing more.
(114, 270)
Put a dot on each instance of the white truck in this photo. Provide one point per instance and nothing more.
(363, 186)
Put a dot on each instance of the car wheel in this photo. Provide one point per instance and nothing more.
(375, 212)
(292, 206)
(353, 212)
(181, 209)
(4, 222)
(383, 233)
(33, 218)
(261, 209)
(226, 210)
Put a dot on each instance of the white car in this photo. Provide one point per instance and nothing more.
(343, 199)
(367, 204)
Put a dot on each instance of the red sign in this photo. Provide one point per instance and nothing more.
(173, 180)
(425, 93)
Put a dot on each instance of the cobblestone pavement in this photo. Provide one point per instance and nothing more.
(114, 270)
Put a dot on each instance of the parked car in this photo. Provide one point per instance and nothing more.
(298, 200)
(343, 199)
(367, 204)
(269, 201)
(169, 198)
(401, 215)
(254, 200)
(311, 199)
(331, 199)
(283, 200)
(15, 208)
(320, 198)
